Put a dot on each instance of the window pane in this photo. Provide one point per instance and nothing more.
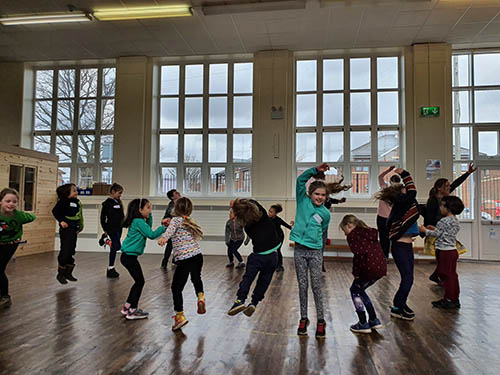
(387, 108)
(242, 148)
(43, 115)
(193, 147)
(360, 73)
(461, 70)
(333, 147)
(464, 191)
(63, 175)
(243, 78)
(109, 81)
(305, 145)
(306, 75)
(488, 143)
(242, 112)
(306, 110)
(168, 148)
(218, 79)
(169, 113)
(490, 187)
(108, 114)
(360, 180)
(462, 137)
(192, 180)
(29, 188)
(388, 146)
(461, 107)
(217, 180)
(486, 106)
(333, 74)
(42, 143)
(387, 72)
(194, 79)
(107, 175)
(66, 84)
(168, 179)
(333, 109)
(487, 69)
(170, 80)
(193, 113)
(360, 146)
(87, 117)
(64, 148)
(360, 108)
(106, 148)
(86, 150)
(44, 83)
(217, 112)
(65, 113)
(85, 177)
(15, 174)
(242, 179)
(217, 148)
(88, 83)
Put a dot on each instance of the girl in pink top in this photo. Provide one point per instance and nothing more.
(383, 211)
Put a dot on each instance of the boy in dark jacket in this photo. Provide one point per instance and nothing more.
(112, 216)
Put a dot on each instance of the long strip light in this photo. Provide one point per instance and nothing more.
(142, 12)
(46, 18)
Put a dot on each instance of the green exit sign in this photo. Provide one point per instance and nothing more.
(429, 111)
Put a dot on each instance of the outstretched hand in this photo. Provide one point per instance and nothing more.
(472, 168)
(162, 241)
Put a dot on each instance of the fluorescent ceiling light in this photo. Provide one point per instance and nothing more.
(142, 12)
(268, 6)
(45, 18)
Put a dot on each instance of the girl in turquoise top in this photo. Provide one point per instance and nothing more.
(11, 231)
(311, 220)
(139, 222)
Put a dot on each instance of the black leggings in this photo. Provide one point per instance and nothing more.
(131, 263)
(383, 234)
(232, 250)
(184, 268)
(6, 252)
(67, 237)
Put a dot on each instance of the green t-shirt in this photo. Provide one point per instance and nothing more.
(11, 227)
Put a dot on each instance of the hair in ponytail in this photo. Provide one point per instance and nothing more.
(440, 182)
(183, 208)
(337, 187)
(389, 194)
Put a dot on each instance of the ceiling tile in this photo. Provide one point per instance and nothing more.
(444, 16)
(416, 18)
(480, 15)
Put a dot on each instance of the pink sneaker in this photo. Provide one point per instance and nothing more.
(124, 310)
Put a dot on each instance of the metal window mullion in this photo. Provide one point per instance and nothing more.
(98, 120)
(319, 110)
(205, 173)
(76, 118)
(230, 131)
(53, 124)
(347, 120)
(374, 123)
(182, 129)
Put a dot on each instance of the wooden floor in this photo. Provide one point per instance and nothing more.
(78, 329)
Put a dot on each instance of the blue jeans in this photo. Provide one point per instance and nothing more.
(402, 253)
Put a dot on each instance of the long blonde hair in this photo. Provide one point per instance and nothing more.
(183, 208)
(351, 219)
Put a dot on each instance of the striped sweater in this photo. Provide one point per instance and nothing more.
(184, 245)
(404, 212)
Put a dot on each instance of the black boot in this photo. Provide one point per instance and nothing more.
(69, 272)
(61, 271)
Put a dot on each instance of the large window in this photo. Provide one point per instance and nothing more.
(205, 127)
(476, 125)
(347, 113)
(74, 118)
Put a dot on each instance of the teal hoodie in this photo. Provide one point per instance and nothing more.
(310, 220)
(139, 230)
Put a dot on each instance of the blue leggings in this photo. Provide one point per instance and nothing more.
(361, 299)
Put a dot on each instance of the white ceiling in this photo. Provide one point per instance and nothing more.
(320, 24)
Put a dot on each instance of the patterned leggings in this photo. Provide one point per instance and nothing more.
(309, 261)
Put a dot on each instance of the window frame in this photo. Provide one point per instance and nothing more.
(180, 166)
(97, 166)
(346, 128)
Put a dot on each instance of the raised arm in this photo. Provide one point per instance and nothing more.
(381, 181)
(460, 180)
(148, 232)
